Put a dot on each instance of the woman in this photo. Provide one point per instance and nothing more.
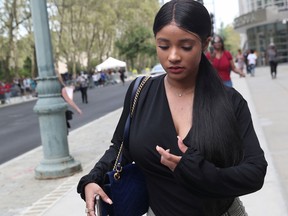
(272, 59)
(222, 61)
(208, 153)
(67, 95)
(240, 59)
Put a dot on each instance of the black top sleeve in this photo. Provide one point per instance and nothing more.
(211, 181)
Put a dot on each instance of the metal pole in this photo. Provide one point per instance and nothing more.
(50, 106)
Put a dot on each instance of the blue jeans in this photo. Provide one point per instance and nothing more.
(228, 83)
(252, 69)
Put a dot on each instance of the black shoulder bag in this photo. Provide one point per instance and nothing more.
(126, 185)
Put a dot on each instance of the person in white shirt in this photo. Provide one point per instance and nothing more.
(252, 57)
(27, 86)
(96, 78)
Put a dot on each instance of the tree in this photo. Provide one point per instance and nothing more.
(82, 30)
(231, 38)
(79, 31)
(134, 43)
(12, 14)
(136, 20)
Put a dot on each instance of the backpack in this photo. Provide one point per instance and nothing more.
(83, 83)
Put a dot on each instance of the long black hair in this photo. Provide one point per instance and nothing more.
(214, 132)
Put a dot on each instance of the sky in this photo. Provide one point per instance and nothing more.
(225, 10)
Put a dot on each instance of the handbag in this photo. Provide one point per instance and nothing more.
(236, 209)
(126, 185)
(69, 115)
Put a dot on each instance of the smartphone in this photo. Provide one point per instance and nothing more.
(97, 205)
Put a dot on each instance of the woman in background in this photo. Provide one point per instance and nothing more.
(240, 59)
(67, 94)
(222, 61)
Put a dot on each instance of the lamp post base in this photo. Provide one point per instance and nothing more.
(57, 168)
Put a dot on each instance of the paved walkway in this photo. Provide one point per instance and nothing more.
(17, 100)
(22, 195)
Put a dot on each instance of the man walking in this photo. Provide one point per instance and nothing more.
(252, 62)
(83, 83)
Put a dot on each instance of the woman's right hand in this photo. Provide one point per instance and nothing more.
(91, 191)
(79, 111)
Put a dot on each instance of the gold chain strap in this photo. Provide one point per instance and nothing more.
(137, 94)
(117, 165)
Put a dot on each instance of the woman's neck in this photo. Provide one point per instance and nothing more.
(180, 88)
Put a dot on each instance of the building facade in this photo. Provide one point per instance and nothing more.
(261, 23)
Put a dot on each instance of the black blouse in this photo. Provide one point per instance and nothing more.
(196, 184)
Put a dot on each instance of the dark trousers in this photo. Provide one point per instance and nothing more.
(83, 91)
(273, 67)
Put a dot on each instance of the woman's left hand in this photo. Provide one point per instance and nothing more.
(171, 160)
(242, 74)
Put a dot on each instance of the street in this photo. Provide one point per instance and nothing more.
(20, 128)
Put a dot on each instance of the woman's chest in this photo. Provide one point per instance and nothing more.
(158, 121)
(181, 109)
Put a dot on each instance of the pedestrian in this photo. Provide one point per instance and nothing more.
(7, 87)
(272, 59)
(21, 86)
(33, 87)
(222, 61)
(67, 94)
(240, 60)
(122, 75)
(207, 154)
(245, 54)
(103, 78)
(27, 86)
(252, 57)
(83, 85)
(2, 93)
(96, 78)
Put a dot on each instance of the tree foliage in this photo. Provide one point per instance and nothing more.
(83, 33)
(135, 42)
(13, 14)
(231, 38)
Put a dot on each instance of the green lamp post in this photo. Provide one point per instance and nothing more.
(50, 106)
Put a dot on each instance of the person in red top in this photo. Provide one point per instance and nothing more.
(2, 93)
(222, 61)
(7, 88)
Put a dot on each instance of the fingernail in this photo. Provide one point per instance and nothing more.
(109, 201)
(167, 150)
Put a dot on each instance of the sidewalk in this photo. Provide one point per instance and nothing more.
(22, 195)
(272, 198)
(19, 99)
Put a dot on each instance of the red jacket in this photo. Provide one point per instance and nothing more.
(7, 87)
(2, 89)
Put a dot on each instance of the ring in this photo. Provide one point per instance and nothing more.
(87, 210)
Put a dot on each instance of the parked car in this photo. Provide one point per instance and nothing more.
(157, 70)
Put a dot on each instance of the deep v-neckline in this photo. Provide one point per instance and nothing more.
(170, 113)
